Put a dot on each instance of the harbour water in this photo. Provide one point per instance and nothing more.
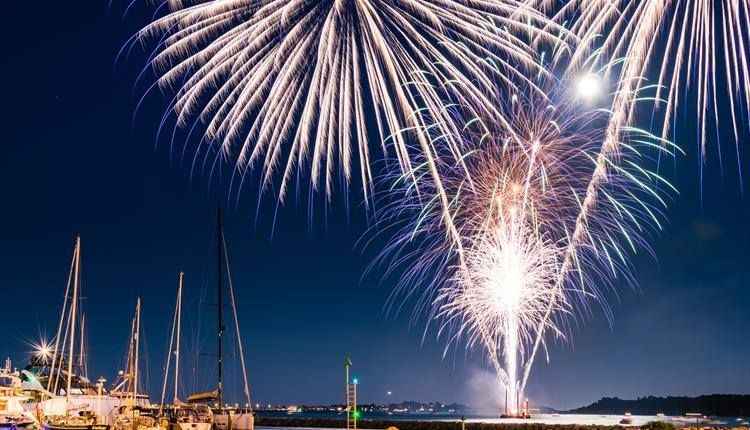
(561, 419)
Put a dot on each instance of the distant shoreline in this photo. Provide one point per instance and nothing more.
(720, 405)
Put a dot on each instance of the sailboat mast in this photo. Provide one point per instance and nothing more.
(136, 336)
(131, 359)
(73, 324)
(172, 349)
(56, 351)
(177, 347)
(80, 348)
(219, 304)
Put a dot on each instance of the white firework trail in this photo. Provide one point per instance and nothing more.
(696, 51)
(294, 86)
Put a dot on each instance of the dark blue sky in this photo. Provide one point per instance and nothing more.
(72, 162)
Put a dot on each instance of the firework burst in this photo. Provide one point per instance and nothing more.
(544, 217)
(290, 85)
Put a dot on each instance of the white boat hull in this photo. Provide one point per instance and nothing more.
(241, 421)
(13, 415)
(190, 426)
(103, 407)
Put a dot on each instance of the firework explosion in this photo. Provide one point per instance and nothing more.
(288, 84)
(505, 229)
(539, 236)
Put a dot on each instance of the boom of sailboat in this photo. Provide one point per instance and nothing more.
(53, 391)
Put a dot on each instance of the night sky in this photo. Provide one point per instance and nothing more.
(73, 162)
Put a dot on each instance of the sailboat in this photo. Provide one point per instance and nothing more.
(126, 386)
(44, 379)
(180, 415)
(67, 415)
(132, 415)
(226, 417)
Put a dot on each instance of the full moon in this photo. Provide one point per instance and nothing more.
(589, 87)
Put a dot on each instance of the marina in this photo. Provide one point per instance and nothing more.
(53, 391)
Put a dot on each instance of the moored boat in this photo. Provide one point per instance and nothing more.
(226, 417)
(84, 420)
(135, 412)
(135, 418)
(180, 415)
(12, 413)
(187, 418)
